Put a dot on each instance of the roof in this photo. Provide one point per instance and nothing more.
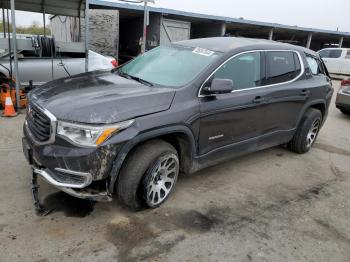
(135, 7)
(55, 7)
(227, 44)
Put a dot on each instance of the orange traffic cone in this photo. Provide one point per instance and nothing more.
(9, 109)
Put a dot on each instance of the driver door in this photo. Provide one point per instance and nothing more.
(236, 117)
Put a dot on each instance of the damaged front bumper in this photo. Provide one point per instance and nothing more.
(80, 172)
(73, 183)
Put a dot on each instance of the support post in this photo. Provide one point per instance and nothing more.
(145, 24)
(341, 40)
(86, 35)
(44, 21)
(3, 22)
(309, 39)
(14, 41)
(223, 29)
(9, 39)
(271, 34)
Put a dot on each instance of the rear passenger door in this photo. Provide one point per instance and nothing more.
(285, 94)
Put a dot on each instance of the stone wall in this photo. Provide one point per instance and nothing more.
(103, 28)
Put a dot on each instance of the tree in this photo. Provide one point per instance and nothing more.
(34, 29)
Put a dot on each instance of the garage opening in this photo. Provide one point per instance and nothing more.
(130, 35)
(209, 29)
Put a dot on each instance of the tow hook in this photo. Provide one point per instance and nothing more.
(40, 210)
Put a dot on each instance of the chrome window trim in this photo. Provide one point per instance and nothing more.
(257, 87)
(53, 126)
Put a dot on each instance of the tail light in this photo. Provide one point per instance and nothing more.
(345, 82)
(114, 63)
(345, 85)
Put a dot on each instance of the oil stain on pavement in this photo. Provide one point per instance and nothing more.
(70, 206)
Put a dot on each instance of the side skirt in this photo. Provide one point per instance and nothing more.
(242, 148)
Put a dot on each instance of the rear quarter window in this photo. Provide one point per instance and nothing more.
(315, 65)
(281, 66)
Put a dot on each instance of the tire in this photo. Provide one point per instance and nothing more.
(307, 132)
(144, 171)
(344, 111)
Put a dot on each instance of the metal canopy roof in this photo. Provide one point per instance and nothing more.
(190, 15)
(55, 7)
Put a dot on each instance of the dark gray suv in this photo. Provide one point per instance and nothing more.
(177, 108)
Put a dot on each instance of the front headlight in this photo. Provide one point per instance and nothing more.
(87, 135)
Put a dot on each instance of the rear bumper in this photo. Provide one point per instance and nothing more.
(343, 100)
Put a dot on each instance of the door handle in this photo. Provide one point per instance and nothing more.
(258, 100)
(305, 92)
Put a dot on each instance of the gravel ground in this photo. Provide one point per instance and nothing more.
(272, 205)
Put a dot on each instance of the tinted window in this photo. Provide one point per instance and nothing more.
(315, 65)
(281, 66)
(330, 53)
(244, 70)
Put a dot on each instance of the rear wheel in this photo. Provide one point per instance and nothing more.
(307, 132)
(149, 175)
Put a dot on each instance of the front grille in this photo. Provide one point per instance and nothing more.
(38, 123)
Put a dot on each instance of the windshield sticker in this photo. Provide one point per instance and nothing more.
(202, 51)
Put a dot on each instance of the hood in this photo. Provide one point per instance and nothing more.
(100, 97)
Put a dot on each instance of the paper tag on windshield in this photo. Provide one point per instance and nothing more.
(202, 51)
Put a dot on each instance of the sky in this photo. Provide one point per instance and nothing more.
(318, 14)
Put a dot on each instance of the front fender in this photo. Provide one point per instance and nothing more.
(145, 136)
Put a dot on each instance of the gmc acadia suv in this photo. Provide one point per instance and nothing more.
(177, 108)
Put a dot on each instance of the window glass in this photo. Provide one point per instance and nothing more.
(281, 66)
(330, 53)
(313, 65)
(347, 55)
(244, 70)
(170, 66)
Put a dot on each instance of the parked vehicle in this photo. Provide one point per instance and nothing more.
(342, 101)
(337, 60)
(177, 108)
(40, 70)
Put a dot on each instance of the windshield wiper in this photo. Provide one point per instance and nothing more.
(140, 80)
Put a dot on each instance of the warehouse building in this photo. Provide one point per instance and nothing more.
(116, 29)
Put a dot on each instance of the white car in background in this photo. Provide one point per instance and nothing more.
(40, 70)
(337, 60)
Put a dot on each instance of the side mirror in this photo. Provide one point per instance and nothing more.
(220, 86)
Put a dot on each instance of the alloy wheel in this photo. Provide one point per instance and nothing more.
(312, 134)
(162, 179)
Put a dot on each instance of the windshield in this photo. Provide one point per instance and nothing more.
(171, 66)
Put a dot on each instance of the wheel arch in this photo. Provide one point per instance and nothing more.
(317, 104)
(181, 137)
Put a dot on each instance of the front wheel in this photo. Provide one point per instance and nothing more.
(149, 175)
(160, 179)
(307, 132)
